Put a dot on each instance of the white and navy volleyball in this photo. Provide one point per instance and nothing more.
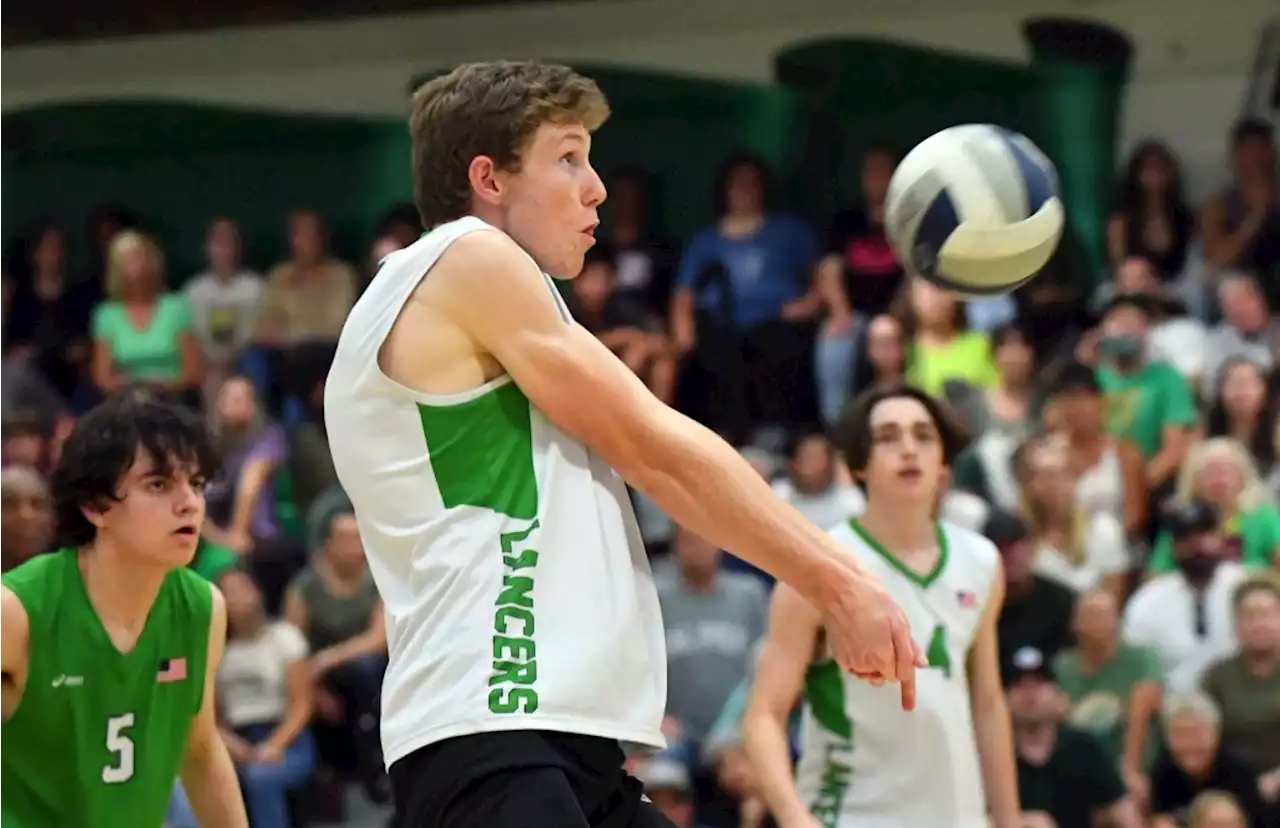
(975, 209)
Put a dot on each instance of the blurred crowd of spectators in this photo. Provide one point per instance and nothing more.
(1124, 461)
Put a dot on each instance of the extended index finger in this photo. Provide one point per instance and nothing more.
(904, 650)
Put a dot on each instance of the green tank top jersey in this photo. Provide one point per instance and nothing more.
(98, 735)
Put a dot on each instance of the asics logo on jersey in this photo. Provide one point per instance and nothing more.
(64, 680)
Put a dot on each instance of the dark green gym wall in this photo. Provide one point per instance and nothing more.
(178, 165)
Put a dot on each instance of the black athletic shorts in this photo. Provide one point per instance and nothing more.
(520, 779)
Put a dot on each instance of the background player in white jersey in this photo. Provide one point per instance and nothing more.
(476, 429)
(864, 761)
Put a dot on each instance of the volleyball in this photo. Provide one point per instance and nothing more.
(975, 210)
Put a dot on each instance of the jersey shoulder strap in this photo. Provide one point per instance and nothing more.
(40, 584)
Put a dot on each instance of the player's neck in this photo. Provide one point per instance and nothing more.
(121, 591)
(900, 527)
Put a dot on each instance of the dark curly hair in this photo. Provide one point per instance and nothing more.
(104, 445)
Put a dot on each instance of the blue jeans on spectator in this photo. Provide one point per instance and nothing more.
(833, 359)
(265, 787)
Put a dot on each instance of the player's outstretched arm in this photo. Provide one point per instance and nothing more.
(487, 286)
(208, 775)
(991, 716)
(779, 680)
(15, 640)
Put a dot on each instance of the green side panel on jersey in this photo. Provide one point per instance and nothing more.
(922, 581)
(98, 736)
(482, 452)
(824, 691)
(938, 655)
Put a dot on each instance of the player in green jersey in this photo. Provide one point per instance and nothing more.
(110, 645)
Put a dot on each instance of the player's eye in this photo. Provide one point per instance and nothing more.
(570, 158)
(157, 484)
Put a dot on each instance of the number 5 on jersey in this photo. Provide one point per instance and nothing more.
(120, 745)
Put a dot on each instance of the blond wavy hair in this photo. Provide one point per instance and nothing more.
(1252, 495)
(1027, 457)
(123, 244)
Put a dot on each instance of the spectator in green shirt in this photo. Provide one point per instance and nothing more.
(142, 334)
(1113, 688)
(1148, 403)
(1246, 685)
(1221, 473)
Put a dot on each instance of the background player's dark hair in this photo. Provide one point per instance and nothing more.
(853, 436)
(104, 445)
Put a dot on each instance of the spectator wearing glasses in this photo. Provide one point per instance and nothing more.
(1196, 761)
(1186, 616)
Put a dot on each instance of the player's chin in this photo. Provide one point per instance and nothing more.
(182, 547)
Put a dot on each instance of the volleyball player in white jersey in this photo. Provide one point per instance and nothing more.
(865, 763)
(476, 429)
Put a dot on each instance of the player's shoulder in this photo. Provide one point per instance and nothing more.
(970, 546)
(37, 584)
(191, 593)
(484, 249)
(13, 614)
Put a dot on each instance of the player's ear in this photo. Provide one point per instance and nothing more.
(486, 179)
(95, 514)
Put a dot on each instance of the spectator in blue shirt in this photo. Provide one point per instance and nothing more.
(744, 306)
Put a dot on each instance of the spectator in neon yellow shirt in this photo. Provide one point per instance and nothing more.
(1221, 473)
(941, 350)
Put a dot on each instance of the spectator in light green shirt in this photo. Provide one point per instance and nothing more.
(941, 351)
(1221, 473)
(142, 334)
(1148, 403)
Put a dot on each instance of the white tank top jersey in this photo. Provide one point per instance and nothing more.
(517, 590)
(864, 762)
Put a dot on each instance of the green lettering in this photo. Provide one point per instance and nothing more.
(505, 616)
(513, 700)
(833, 787)
(527, 559)
(515, 590)
(510, 539)
(514, 672)
(513, 648)
(938, 655)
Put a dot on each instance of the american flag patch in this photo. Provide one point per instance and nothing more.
(966, 598)
(171, 670)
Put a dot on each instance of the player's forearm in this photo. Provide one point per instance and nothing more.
(704, 485)
(209, 779)
(999, 769)
(764, 739)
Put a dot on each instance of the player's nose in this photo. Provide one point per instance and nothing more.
(594, 193)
